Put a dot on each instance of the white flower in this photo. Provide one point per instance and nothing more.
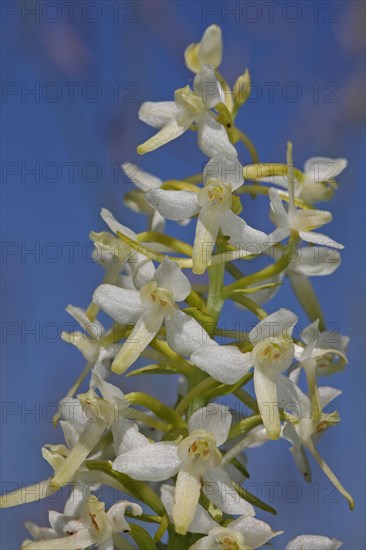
(316, 183)
(327, 349)
(246, 529)
(196, 460)
(222, 175)
(147, 309)
(273, 352)
(313, 542)
(206, 52)
(84, 523)
(173, 118)
(308, 424)
(301, 221)
(153, 304)
(83, 421)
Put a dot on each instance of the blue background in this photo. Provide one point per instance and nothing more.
(127, 53)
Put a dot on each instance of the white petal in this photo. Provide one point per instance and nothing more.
(208, 88)
(255, 532)
(157, 113)
(218, 488)
(38, 533)
(71, 435)
(266, 394)
(298, 452)
(313, 542)
(62, 522)
(142, 180)
(184, 334)
(210, 47)
(303, 289)
(215, 419)
(114, 225)
(142, 269)
(126, 436)
(173, 205)
(144, 331)
(323, 168)
(278, 235)
(157, 222)
(319, 238)
(316, 260)
(110, 392)
(242, 236)
(94, 328)
(170, 131)
(122, 305)
(153, 462)
(225, 168)
(77, 499)
(281, 181)
(310, 335)
(213, 138)
(116, 515)
(207, 228)
(279, 213)
(202, 521)
(327, 394)
(309, 219)
(81, 539)
(224, 363)
(72, 412)
(291, 397)
(206, 543)
(279, 324)
(170, 276)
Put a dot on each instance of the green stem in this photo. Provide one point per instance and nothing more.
(248, 144)
(137, 488)
(215, 301)
(249, 304)
(215, 298)
(245, 425)
(195, 393)
(267, 272)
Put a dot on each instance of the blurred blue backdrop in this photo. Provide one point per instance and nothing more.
(74, 76)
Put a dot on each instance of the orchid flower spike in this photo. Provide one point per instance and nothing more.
(173, 118)
(222, 175)
(196, 460)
